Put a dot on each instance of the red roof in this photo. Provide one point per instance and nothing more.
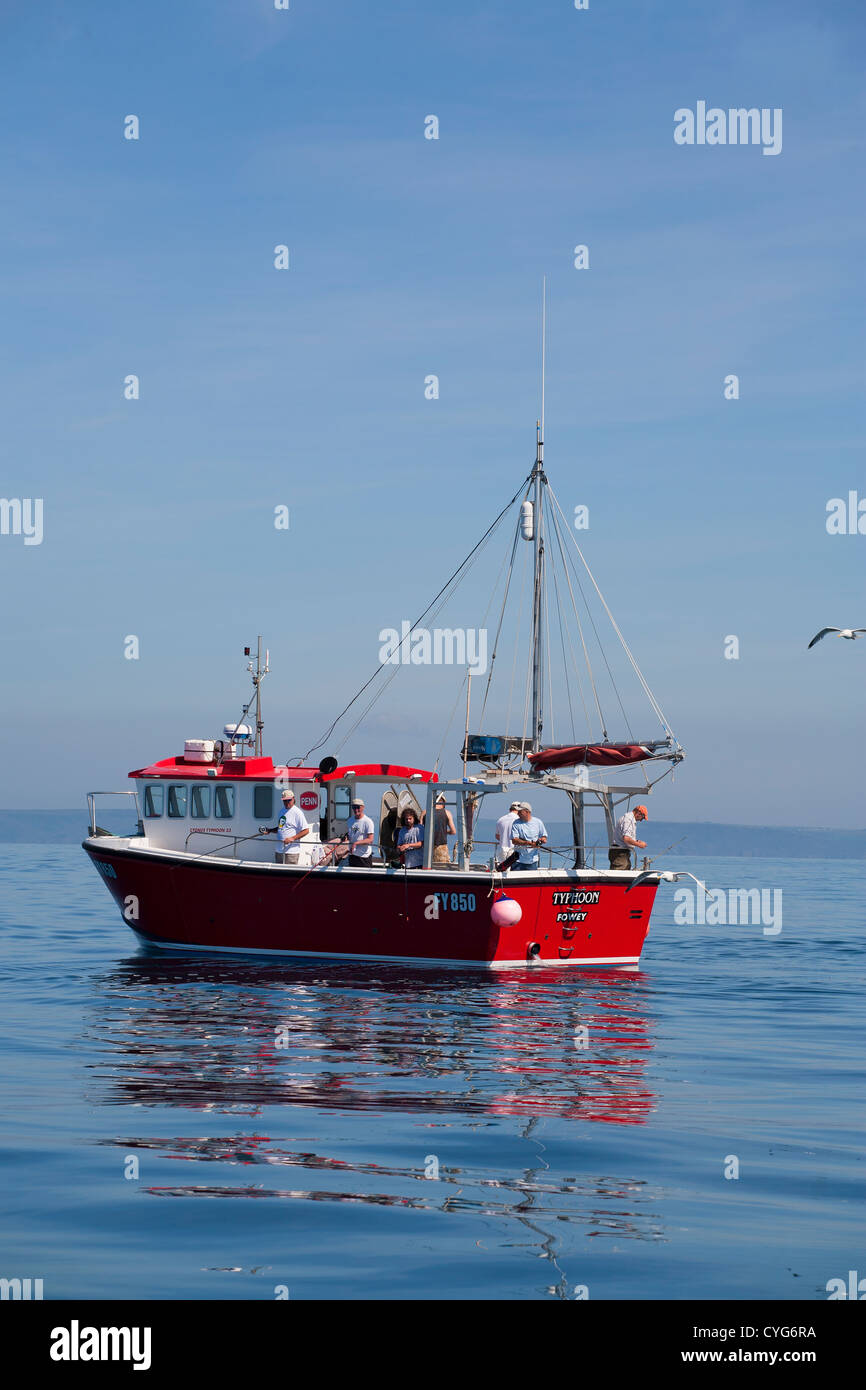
(263, 770)
(379, 772)
(235, 769)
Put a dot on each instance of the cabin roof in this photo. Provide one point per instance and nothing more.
(263, 770)
(378, 772)
(233, 769)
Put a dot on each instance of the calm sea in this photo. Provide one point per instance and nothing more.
(431, 1133)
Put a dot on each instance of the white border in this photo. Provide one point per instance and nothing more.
(524, 964)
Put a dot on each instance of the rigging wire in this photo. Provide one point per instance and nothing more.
(447, 732)
(517, 639)
(491, 528)
(598, 640)
(652, 699)
(580, 630)
(565, 658)
(546, 594)
(433, 613)
(501, 617)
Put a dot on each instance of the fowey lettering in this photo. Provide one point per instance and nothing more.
(75, 1343)
(736, 126)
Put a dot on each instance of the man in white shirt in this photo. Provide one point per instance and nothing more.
(625, 838)
(291, 829)
(360, 835)
(528, 834)
(503, 834)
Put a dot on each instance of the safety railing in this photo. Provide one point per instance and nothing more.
(550, 856)
(547, 854)
(91, 808)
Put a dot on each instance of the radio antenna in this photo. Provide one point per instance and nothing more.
(543, 346)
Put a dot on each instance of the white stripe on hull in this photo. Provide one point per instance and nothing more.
(397, 960)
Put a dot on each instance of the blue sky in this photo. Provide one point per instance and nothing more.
(412, 257)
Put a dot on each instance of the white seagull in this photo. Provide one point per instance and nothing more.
(668, 875)
(852, 633)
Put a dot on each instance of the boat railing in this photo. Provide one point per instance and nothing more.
(548, 852)
(91, 807)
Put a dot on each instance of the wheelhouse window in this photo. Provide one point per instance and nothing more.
(342, 802)
(263, 802)
(224, 802)
(177, 801)
(200, 803)
(154, 798)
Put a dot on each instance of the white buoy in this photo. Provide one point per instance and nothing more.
(505, 912)
(527, 521)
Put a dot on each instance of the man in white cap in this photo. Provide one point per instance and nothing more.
(528, 834)
(503, 834)
(625, 838)
(360, 834)
(291, 828)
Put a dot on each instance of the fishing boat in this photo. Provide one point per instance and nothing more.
(199, 869)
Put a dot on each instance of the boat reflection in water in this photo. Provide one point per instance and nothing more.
(375, 1059)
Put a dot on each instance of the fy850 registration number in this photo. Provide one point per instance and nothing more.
(455, 902)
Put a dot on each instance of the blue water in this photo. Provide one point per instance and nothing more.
(559, 1166)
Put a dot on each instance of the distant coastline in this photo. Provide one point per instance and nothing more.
(696, 837)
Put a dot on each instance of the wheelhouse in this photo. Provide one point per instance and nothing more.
(223, 806)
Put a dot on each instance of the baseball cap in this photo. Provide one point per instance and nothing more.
(644, 809)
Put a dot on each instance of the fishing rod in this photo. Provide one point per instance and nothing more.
(328, 857)
(664, 851)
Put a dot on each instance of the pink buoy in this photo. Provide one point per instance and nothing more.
(505, 912)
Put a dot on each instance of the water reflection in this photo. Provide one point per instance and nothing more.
(236, 1037)
(435, 1049)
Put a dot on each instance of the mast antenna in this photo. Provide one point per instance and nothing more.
(543, 347)
(258, 676)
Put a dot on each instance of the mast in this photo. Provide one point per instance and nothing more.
(538, 596)
(538, 479)
(259, 697)
(258, 677)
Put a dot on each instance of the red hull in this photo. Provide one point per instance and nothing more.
(357, 912)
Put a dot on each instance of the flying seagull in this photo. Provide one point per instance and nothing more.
(668, 875)
(852, 633)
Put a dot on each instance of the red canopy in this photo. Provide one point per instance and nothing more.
(597, 754)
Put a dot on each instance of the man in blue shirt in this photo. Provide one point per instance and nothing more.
(410, 841)
(528, 834)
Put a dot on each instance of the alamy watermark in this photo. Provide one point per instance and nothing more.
(854, 1287)
(443, 646)
(846, 516)
(738, 907)
(21, 1289)
(22, 516)
(736, 126)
